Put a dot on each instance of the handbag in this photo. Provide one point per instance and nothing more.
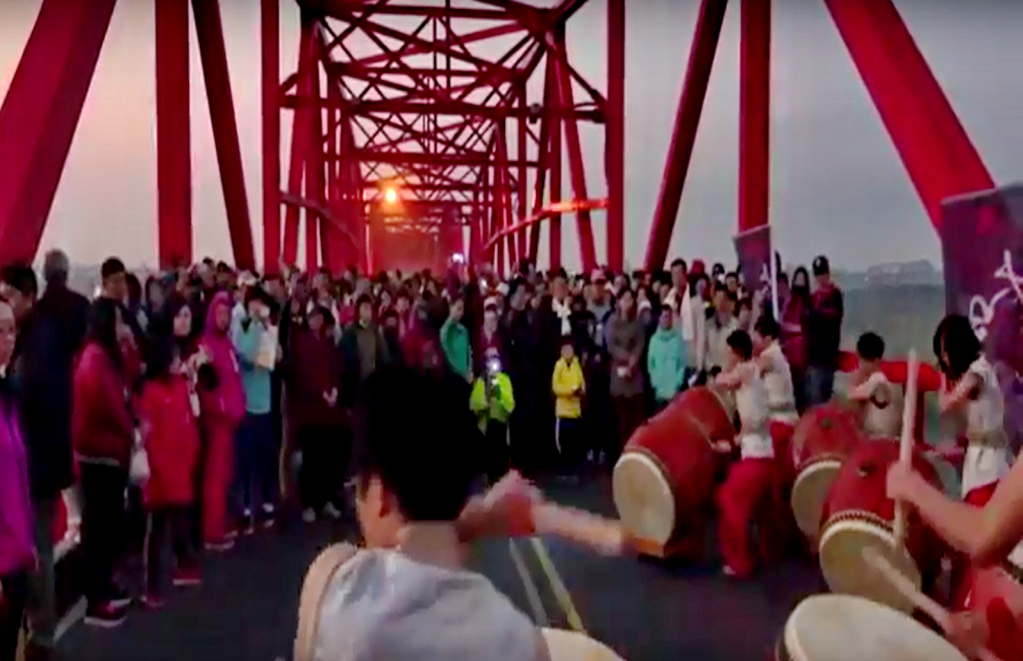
(138, 467)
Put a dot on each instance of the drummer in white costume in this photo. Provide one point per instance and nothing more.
(746, 490)
(777, 377)
(880, 398)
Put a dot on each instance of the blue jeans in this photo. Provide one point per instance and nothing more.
(256, 463)
(820, 385)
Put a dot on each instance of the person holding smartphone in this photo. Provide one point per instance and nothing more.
(492, 400)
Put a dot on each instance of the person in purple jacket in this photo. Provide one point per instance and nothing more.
(17, 555)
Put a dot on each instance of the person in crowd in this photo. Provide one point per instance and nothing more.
(407, 597)
(390, 332)
(666, 362)
(222, 405)
(362, 344)
(880, 400)
(690, 317)
(626, 343)
(39, 378)
(103, 431)
(569, 386)
(318, 388)
(170, 435)
(794, 318)
(490, 335)
(454, 338)
(256, 459)
(718, 329)
(520, 338)
(17, 552)
(744, 497)
(823, 334)
(493, 401)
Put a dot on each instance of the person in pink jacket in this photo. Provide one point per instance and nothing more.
(17, 556)
(222, 406)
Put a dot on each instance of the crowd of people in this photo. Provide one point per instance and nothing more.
(182, 390)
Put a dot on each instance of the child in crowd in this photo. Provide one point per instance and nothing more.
(492, 400)
(881, 401)
(569, 386)
(666, 361)
(171, 437)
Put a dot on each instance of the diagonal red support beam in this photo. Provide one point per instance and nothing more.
(210, 30)
(40, 113)
(931, 142)
(754, 113)
(687, 121)
(173, 135)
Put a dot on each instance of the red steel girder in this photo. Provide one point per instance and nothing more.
(754, 113)
(271, 114)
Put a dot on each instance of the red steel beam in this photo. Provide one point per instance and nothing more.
(314, 163)
(343, 8)
(932, 144)
(173, 135)
(754, 113)
(299, 140)
(614, 147)
(209, 28)
(554, 162)
(687, 121)
(270, 70)
(39, 116)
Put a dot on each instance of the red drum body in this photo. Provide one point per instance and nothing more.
(712, 410)
(663, 485)
(859, 514)
(821, 441)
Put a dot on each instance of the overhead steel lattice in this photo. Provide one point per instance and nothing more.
(413, 121)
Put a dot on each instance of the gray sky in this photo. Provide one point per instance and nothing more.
(837, 184)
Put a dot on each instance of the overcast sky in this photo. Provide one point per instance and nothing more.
(837, 184)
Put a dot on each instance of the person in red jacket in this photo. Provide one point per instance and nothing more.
(321, 426)
(171, 436)
(222, 406)
(102, 430)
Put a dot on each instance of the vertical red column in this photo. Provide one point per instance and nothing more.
(754, 113)
(173, 135)
(522, 153)
(310, 89)
(543, 165)
(271, 74)
(210, 30)
(614, 141)
(553, 116)
(687, 121)
(40, 113)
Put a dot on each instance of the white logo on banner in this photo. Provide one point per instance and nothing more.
(982, 312)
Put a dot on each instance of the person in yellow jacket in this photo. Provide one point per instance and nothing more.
(492, 400)
(569, 386)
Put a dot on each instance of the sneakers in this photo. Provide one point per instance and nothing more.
(152, 602)
(268, 516)
(121, 598)
(225, 544)
(186, 577)
(105, 615)
(332, 511)
(309, 515)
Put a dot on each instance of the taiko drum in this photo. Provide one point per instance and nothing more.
(823, 437)
(834, 627)
(859, 514)
(712, 409)
(663, 484)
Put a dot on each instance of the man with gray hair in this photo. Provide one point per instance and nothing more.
(50, 335)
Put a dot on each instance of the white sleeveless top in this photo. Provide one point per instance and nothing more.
(781, 393)
(388, 606)
(751, 403)
(985, 416)
(882, 415)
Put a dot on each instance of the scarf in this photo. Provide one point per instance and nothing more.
(563, 312)
(685, 312)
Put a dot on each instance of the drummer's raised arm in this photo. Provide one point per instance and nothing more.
(986, 534)
(735, 377)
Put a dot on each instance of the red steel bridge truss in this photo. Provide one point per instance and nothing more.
(414, 119)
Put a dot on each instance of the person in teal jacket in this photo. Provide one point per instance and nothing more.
(454, 338)
(666, 362)
(492, 400)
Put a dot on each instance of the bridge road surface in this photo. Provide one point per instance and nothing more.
(246, 607)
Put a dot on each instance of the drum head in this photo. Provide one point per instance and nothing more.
(643, 497)
(809, 493)
(571, 646)
(846, 572)
(831, 627)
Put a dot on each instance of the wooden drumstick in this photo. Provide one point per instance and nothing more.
(906, 444)
(931, 608)
(594, 532)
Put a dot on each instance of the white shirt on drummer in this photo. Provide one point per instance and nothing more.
(882, 415)
(984, 463)
(387, 606)
(777, 378)
(751, 403)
